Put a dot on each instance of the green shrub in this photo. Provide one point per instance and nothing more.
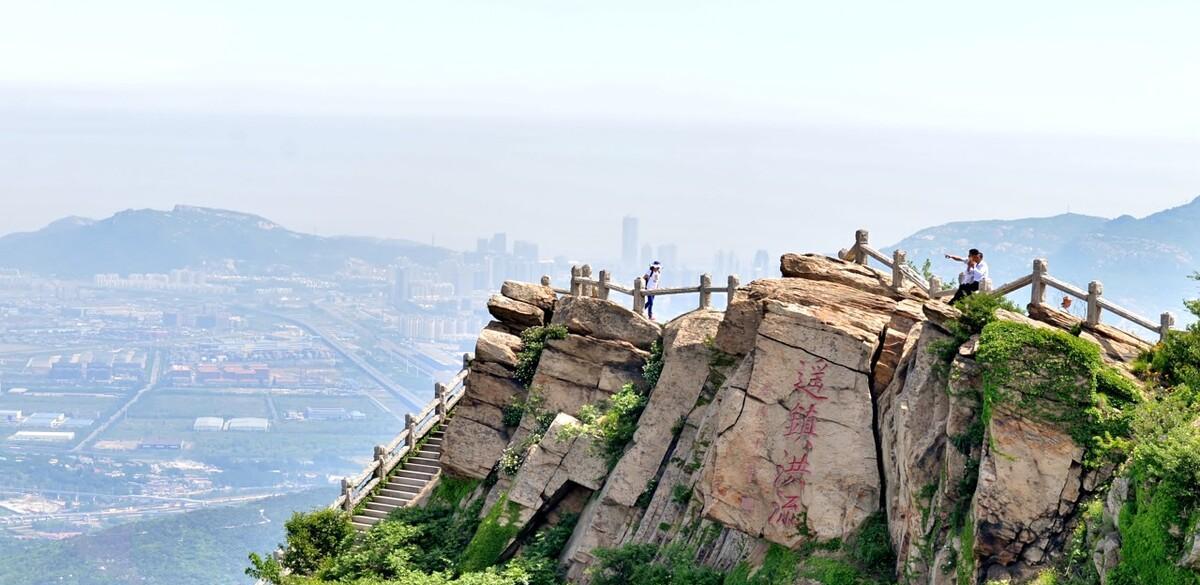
(1148, 549)
(512, 412)
(451, 491)
(539, 557)
(646, 564)
(653, 367)
(611, 425)
(871, 548)
(533, 341)
(681, 494)
(1052, 376)
(492, 537)
(314, 539)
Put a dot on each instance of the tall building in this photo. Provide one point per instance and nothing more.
(525, 250)
(647, 255)
(668, 254)
(629, 241)
(500, 243)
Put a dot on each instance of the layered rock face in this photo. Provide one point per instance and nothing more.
(815, 404)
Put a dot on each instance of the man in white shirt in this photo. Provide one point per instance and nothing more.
(651, 283)
(972, 277)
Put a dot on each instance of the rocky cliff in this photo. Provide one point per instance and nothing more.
(820, 405)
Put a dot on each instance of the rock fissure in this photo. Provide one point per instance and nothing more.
(821, 357)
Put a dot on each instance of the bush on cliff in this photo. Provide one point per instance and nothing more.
(533, 341)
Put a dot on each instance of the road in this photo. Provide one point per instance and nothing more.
(155, 368)
(410, 400)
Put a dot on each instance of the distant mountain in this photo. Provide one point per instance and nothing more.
(1143, 263)
(148, 240)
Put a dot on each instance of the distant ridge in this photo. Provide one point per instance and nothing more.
(149, 240)
(1143, 262)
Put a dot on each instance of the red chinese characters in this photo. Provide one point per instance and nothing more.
(790, 478)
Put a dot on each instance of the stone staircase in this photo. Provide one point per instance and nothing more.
(404, 485)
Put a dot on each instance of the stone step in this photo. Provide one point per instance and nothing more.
(391, 500)
(400, 483)
(414, 474)
(374, 513)
(365, 520)
(378, 504)
(426, 461)
(430, 470)
(430, 455)
(399, 494)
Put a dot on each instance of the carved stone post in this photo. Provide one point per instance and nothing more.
(985, 285)
(586, 288)
(1095, 291)
(439, 394)
(1166, 321)
(731, 287)
(705, 291)
(467, 359)
(861, 238)
(381, 458)
(639, 295)
(1037, 296)
(410, 423)
(576, 286)
(898, 261)
(935, 285)
(602, 290)
(545, 280)
(348, 500)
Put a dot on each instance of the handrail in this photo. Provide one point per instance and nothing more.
(582, 284)
(861, 252)
(358, 487)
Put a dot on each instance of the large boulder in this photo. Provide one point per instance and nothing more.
(497, 347)
(822, 268)
(608, 518)
(799, 455)
(1029, 482)
(603, 319)
(476, 435)
(542, 297)
(515, 313)
(583, 370)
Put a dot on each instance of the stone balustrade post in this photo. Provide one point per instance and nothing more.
(586, 288)
(1037, 295)
(861, 241)
(410, 423)
(846, 254)
(985, 285)
(639, 295)
(935, 285)
(602, 289)
(731, 287)
(576, 286)
(467, 359)
(898, 261)
(347, 495)
(380, 458)
(705, 290)
(439, 394)
(545, 280)
(1166, 321)
(1095, 291)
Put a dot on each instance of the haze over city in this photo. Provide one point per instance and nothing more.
(279, 270)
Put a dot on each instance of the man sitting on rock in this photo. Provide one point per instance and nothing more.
(651, 281)
(970, 279)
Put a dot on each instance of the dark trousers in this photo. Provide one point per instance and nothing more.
(650, 305)
(964, 290)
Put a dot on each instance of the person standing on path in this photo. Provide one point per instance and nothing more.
(970, 279)
(651, 281)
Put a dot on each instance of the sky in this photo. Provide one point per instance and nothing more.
(743, 125)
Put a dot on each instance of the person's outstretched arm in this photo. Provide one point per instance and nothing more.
(956, 258)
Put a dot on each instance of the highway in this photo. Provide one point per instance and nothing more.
(155, 368)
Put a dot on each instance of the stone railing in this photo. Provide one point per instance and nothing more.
(1038, 280)
(357, 488)
(601, 287)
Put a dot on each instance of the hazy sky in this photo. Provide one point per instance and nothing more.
(738, 124)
